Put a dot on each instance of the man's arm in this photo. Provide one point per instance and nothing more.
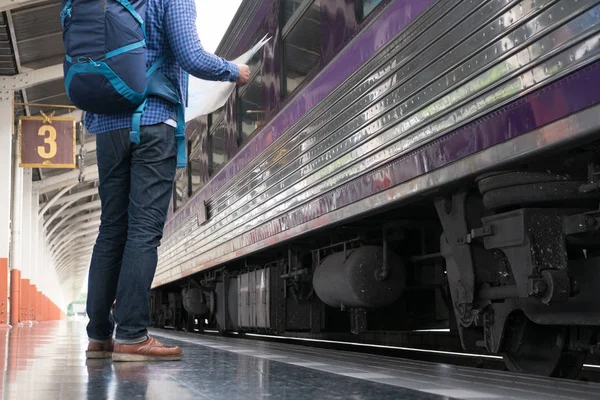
(180, 27)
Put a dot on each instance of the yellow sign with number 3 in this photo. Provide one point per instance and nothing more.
(47, 142)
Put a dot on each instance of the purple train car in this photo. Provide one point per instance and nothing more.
(395, 166)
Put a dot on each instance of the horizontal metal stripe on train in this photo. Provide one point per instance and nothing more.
(512, 16)
(287, 133)
(418, 129)
(423, 376)
(370, 41)
(484, 144)
(417, 47)
(214, 225)
(411, 44)
(429, 157)
(413, 54)
(323, 152)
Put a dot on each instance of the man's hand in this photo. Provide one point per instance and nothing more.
(244, 75)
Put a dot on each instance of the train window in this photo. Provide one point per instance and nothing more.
(217, 116)
(288, 8)
(365, 7)
(252, 112)
(251, 108)
(301, 45)
(194, 143)
(198, 170)
(218, 147)
(180, 191)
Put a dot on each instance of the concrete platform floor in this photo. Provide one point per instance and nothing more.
(47, 361)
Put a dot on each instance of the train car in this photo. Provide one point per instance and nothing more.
(396, 166)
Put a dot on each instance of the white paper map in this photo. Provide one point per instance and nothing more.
(206, 97)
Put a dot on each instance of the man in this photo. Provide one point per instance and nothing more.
(136, 182)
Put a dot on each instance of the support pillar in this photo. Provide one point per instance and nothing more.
(4, 293)
(32, 301)
(38, 306)
(27, 291)
(25, 300)
(15, 297)
(44, 308)
(34, 226)
(18, 307)
(6, 144)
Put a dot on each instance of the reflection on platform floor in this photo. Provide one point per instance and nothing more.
(450, 381)
(47, 361)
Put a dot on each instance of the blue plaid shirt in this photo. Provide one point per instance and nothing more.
(171, 29)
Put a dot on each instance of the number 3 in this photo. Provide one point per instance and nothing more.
(50, 141)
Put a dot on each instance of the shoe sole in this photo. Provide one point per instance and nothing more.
(125, 357)
(94, 355)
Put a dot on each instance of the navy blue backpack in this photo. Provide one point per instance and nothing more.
(105, 63)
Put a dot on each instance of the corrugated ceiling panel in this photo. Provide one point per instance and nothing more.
(8, 65)
(39, 34)
(44, 90)
(42, 52)
(37, 21)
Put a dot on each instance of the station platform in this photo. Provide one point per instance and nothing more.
(47, 361)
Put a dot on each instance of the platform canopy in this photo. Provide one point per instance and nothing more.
(31, 54)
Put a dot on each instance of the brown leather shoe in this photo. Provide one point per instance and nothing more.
(100, 350)
(150, 350)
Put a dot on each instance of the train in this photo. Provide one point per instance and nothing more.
(399, 166)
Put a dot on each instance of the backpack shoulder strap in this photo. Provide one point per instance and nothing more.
(159, 85)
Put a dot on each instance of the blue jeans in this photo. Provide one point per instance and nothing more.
(136, 184)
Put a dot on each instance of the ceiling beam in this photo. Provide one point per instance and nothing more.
(89, 227)
(74, 197)
(57, 182)
(85, 251)
(13, 38)
(68, 265)
(90, 233)
(92, 205)
(83, 217)
(56, 197)
(33, 77)
(65, 233)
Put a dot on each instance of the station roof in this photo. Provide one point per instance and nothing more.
(31, 54)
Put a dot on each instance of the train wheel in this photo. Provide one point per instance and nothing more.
(540, 350)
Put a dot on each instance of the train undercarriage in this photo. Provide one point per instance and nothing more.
(509, 262)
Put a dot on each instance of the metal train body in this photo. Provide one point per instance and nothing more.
(436, 167)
